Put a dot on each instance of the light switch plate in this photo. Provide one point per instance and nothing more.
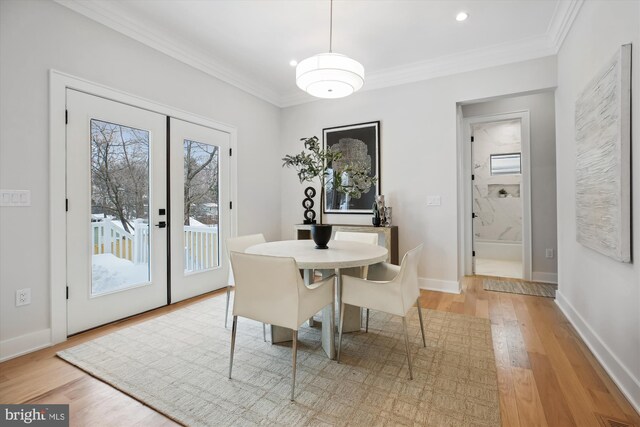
(433, 200)
(15, 198)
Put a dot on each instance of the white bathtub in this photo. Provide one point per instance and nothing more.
(498, 249)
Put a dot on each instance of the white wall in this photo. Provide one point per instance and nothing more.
(599, 295)
(543, 171)
(418, 153)
(36, 36)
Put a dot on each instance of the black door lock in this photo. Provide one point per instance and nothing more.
(162, 224)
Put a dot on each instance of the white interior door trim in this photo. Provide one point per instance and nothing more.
(464, 188)
(59, 82)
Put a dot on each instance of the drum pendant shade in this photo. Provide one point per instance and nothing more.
(329, 75)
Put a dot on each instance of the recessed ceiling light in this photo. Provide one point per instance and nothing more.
(462, 16)
(293, 62)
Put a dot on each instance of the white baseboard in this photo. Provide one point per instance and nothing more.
(541, 276)
(624, 379)
(449, 286)
(24, 344)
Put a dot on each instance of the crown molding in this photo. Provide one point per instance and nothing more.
(491, 56)
(114, 18)
(563, 17)
(506, 53)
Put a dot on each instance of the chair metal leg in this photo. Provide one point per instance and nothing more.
(295, 355)
(340, 331)
(366, 325)
(406, 342)
(332, 327)
(226, 313)
(264, 332)
(234, 327)
(424, 341)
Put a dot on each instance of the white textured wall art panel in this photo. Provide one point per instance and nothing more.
(603, 131)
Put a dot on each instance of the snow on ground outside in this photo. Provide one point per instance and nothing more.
(110, 273)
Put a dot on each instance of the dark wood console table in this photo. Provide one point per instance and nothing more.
(388, 236)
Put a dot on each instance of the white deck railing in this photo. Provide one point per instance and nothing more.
(108, 238)
(200, 243)
(200, 247)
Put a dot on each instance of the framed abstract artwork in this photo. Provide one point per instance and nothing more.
(603, 159)
(360, 144)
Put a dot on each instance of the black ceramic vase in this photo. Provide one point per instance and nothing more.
(321, 234)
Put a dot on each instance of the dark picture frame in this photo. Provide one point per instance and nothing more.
(362, 140)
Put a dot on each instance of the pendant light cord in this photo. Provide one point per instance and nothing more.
(331, 28)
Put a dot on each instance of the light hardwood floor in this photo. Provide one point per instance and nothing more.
(546, 374)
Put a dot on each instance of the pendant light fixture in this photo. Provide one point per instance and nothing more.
(329, 75)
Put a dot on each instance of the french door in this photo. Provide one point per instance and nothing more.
(124, 235)
(199, 170)
(116, 192)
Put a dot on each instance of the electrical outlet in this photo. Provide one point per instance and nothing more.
(23, 297)
(549, 253)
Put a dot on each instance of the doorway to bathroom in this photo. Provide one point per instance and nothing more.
(500, 195)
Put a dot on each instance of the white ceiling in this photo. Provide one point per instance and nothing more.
(249, 43)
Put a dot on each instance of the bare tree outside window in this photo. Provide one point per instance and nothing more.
(119, 172)
(200, 183)
(119, 206)
(120, 175)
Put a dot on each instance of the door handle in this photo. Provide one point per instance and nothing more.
(161, 224)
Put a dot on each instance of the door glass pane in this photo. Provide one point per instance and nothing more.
(119, 207)
(201, 197)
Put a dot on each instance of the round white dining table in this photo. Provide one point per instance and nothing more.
(341, 254)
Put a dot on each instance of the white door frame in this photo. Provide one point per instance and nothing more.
(465, 188)
(59, 82)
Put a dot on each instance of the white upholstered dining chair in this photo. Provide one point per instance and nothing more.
(240, 244)
(270, 290)
(390, 289)
(362, 272)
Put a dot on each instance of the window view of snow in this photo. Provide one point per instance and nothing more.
(201, 238)
(111, 273)
(119, 206)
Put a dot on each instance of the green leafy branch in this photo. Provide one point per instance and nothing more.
(314, 162)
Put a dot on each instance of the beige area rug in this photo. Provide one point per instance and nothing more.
(517, 287)
(178, 364)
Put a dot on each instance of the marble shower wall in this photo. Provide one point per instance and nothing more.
(497, 218)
